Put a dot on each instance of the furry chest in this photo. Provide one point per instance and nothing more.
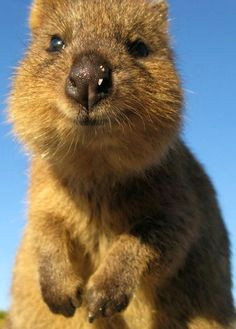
(94, 233)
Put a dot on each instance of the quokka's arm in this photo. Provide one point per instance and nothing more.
(154, 246)
(61, 286)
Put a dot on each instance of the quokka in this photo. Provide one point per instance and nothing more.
(124, 230)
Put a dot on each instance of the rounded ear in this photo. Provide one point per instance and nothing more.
(38, 10)
(36, 14)
(161, 6)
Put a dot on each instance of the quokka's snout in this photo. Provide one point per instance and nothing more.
(89, 81)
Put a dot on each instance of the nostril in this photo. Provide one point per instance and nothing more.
(72, 82)
(104, 85)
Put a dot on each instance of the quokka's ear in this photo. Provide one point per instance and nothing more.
(39, 9)
(161, 6)
(159, 3)
(36, 14)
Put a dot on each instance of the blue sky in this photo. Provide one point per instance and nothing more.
(204, 38)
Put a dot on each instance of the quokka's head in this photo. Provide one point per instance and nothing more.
(98, 77)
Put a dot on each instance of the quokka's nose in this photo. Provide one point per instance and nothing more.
(89, 81)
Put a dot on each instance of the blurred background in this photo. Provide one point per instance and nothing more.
(204, 39)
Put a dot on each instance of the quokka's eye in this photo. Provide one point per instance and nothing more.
(56, 44)
(138, 49)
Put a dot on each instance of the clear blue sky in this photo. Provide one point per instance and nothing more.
(204, 38)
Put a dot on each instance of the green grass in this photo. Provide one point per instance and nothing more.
(2, 318)
(2, 315)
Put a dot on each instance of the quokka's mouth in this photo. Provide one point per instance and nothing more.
(87, 121)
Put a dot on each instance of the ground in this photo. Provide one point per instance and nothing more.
(2, 318)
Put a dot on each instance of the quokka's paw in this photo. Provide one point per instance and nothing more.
(105, 296)
(63, 304)
(62, 297)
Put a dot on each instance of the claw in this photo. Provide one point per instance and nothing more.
(91, 317)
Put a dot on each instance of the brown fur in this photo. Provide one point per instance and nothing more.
(121, 216)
